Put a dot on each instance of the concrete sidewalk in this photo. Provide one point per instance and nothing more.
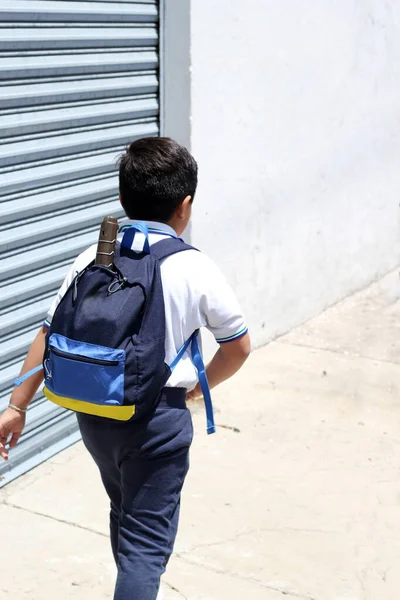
(297, 496)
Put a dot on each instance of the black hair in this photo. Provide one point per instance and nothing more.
(155, 176)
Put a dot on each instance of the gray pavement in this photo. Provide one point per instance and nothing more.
(297, 496)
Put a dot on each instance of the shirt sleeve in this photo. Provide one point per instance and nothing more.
(80, 263)
(220, 307)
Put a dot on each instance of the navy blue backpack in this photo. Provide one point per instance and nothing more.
(105, 348)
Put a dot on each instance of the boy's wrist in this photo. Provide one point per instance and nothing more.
(19, 402)
(17, 409)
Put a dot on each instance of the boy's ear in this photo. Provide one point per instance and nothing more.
(184, 207)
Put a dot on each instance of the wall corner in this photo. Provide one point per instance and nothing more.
(175, 70)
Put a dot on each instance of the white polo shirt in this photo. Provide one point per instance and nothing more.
(196, 294)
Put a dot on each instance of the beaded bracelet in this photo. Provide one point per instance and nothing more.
(17, 408)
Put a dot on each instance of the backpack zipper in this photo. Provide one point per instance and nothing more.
(79, 358)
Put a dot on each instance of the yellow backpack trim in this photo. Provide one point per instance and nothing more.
(119, 413)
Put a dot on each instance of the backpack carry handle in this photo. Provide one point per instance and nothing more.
(129, 236)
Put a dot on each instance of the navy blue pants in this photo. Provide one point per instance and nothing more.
(143, 465)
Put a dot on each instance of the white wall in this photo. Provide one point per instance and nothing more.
(295, 124)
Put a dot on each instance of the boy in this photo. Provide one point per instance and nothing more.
(143, 462)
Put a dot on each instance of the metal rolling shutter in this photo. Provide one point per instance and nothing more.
(78, 80)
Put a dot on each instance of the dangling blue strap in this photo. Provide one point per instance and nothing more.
(180, 354)
(26, 376)
(205, 388)
(129, 236)
(201, 371)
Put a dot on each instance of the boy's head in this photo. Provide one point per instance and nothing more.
(157, 180)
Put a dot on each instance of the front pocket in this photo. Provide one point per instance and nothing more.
(87, 359)
(85, 372)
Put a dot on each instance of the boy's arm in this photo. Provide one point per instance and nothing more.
(12, 422)
(221, 314)
(226, 362)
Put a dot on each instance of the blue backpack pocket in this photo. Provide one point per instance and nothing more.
(86, 372)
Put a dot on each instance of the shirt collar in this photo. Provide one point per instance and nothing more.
(154, 227)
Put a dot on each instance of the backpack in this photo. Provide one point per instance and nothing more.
(105, 347)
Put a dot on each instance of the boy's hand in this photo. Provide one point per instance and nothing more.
(195, 393)
(226, 362)
(12, 424)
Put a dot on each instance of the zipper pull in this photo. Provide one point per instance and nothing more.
(47, 368)
(119, 283)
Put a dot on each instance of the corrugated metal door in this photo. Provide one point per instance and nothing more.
(78, 80)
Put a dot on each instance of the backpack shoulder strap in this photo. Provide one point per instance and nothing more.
(168, 247)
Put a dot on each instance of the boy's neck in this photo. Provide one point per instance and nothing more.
(174, 224)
